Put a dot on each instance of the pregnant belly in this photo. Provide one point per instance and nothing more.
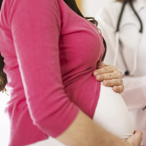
(112, 114)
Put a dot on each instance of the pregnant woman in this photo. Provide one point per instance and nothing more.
(50, 53)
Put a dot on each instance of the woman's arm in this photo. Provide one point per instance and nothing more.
(110, 76)
(84, 132)
(35, 28)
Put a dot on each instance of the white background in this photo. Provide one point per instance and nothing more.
(90, 8)
(4, 122)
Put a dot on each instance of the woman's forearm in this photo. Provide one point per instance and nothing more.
(84, 132)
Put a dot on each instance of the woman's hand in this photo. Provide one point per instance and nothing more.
(110, 76)
(135, 140)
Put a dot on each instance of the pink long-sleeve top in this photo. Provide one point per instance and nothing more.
(50, 54)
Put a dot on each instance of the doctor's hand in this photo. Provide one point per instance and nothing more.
(135, 140)
(110, 76)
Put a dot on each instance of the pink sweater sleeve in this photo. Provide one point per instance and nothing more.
(36, 27)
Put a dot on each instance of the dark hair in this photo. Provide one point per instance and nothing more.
(123, 0)
(1, 3)
(72, 4)
(120, 0)
(3, 77)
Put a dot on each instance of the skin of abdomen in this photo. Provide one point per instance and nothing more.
(112, 114)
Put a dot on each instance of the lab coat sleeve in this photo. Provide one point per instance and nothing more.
(134, 94)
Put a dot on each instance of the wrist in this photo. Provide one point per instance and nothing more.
(115, 141)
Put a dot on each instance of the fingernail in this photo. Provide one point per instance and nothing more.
(105, 82)
(115, 88)
(95, 73)
(98, 77)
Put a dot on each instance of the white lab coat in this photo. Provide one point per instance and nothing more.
(135, 87)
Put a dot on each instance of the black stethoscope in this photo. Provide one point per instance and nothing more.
(117, 39)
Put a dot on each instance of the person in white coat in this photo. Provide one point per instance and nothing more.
(123, 25)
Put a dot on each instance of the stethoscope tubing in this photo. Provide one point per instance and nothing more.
(118, 39)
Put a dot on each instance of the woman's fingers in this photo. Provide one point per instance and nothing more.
(105, 69)
(117, 85)
(135, 139)
(118, 89)
(101, 64)
(113, 82)
(108, 76)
